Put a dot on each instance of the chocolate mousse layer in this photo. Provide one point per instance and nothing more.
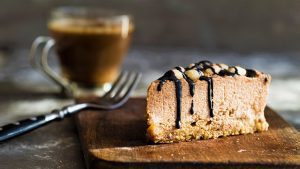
(206, 100)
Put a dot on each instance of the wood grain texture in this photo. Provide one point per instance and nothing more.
(112, 139)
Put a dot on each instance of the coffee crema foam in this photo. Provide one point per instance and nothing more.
(86, 26)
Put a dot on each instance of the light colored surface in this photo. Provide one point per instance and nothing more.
(25, 92)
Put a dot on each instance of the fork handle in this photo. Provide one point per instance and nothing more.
(21, 127)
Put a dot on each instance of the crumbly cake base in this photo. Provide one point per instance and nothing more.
(207, 129)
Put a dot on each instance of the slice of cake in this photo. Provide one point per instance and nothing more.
(206, 100)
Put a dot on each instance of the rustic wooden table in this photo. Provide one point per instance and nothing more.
(25, 92)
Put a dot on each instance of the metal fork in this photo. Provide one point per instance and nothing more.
(116, 97)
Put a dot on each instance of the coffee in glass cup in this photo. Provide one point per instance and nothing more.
(90, 44)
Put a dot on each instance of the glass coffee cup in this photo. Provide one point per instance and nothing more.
(90, 44)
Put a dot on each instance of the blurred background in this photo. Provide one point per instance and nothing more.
(238, 25)
(261, 34)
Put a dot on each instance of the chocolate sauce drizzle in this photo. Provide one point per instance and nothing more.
(210, 94)
(171, 76)
(226, 73)
(191, 86)
(250, 73)
(200, 66)
(192, 111)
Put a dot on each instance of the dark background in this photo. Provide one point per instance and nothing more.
(220, 25)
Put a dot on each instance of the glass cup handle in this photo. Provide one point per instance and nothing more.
(41, 62)
(36, 45)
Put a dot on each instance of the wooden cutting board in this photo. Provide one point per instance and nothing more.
(116, 139)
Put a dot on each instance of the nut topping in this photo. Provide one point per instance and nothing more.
(241, 71)
(216, 68)
(177, 73)
(232, 69)
(209, 71)
(205, 68)
(193, 74)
